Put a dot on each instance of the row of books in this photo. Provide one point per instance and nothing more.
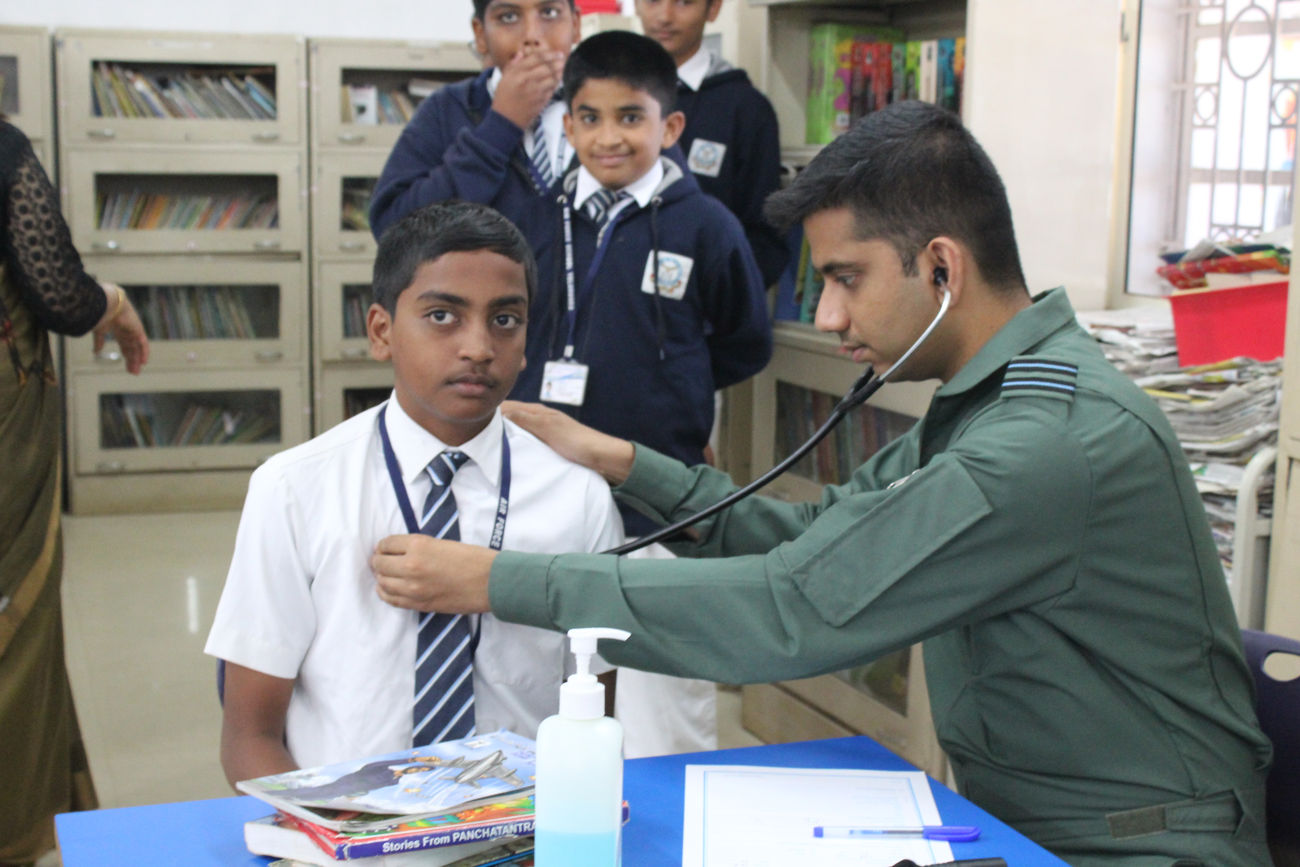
(800, 285)
(120, 91)
(802, 411)
(374, 104)
(467, 803)
(358, 400)
(133, 423)
(354, 212)
(356, 302)
(855, 70)
(140, 210)
(196, 313)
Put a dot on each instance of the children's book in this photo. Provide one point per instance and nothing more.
(418, 783)
(831, 76)
(496, 821)
(275, 836)
(927, 75)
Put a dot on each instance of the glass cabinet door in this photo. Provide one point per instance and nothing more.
(341, 204)
(343, 298)
(344, 391)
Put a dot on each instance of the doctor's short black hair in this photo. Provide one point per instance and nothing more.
(910, 173)
(444, 227)
(635, 60)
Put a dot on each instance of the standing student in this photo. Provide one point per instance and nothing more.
(730, 141)
(318, 668)
(497, 138)
(1039, 530)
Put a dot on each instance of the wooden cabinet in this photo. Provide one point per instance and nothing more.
(26, 91)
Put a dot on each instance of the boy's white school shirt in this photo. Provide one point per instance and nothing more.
(300, 600)
(641, 191)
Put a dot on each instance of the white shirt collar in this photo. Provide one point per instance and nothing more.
(415, 446)
(642, 190)
(692, 72)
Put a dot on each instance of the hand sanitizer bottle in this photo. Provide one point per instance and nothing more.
(580, 769)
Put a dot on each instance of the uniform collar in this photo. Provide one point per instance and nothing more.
(1050, 311)
(642, 189)
(692, 73)
(415, 447)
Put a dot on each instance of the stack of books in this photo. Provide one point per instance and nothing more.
(855, 70)
(120, 91)
(467, 803)
(138, 209)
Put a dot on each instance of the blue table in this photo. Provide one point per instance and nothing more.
(202, 833)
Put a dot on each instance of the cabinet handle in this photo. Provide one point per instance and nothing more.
(107, 246)
(110, 467)
(352, 246)
(105, 132)
(108, 356)
(266, 136)
(356, 352)
(268, 355)
(351, 137)
(266, 245)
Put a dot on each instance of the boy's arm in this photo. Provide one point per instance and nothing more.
(758, 175)
(443, 153)
(734, 301)
(252, 724)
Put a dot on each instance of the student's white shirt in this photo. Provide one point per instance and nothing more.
(693, 72)
(300, 600)
(641, 191)
(557, 145)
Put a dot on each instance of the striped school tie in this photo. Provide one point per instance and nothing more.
(598, 207)
(541, 156)
(444, 686)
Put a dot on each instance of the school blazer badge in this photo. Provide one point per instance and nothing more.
(674, 274)
(706, 157)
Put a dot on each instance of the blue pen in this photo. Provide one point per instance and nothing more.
(948, 833)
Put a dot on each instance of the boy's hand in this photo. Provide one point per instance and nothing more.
(427, 574)
(527, 84)
(610, 456)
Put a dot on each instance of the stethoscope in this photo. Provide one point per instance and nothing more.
(866, 385)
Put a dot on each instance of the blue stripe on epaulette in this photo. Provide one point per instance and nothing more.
(1027, 376)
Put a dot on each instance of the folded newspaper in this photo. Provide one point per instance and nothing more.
(417, 783)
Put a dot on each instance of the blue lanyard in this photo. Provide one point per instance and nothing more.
(404, 502)
(570, 283)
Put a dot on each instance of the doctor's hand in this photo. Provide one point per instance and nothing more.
(610, 456)
(427, 574)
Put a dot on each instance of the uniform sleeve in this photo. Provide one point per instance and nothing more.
(758, 175)
(266, 619)
(993, 525)
(435, 160)
(37, 246)
(734, 301)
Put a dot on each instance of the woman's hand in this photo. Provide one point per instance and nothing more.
(123, 322)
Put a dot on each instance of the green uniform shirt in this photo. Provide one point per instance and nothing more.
(1040, 531)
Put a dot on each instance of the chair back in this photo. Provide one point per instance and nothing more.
(1277, 702)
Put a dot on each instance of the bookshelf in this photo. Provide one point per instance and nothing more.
(26, 89)
(184, 179)
(362, 93)
(886, 699)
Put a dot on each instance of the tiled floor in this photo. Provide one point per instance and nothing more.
(139, 595)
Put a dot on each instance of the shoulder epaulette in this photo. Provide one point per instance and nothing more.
(1036, 376)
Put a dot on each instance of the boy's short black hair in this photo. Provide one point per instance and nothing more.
(444, 227)
(635, 60)
(910, 173)
(480, 8)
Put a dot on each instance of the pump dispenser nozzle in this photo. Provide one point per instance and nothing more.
(582, 696)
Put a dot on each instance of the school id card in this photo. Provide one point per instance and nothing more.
(564, 381)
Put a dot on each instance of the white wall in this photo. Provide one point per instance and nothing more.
(433, 20)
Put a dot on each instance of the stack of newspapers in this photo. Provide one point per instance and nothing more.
(467, 803)
(1223, 413)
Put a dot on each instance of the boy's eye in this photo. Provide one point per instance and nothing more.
(441, 315)
(631, 119)
(507, 17)
(508, 320)
(551, 12)
(587, 117)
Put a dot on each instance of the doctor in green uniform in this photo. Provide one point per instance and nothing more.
(1038, 529)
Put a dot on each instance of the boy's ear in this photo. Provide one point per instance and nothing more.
(715, 6)
(674, 123)
(379, 328)
(480, 38)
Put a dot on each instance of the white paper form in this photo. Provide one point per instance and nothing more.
(745, 816)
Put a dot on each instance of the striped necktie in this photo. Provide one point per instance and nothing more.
(541, 155)
(444, 687)
(598, 207)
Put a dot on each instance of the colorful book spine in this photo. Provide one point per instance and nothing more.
(947, 79)
(928, 72)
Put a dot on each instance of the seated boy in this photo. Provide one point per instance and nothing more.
(731, 139)
(663, 304)
(319, 668)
